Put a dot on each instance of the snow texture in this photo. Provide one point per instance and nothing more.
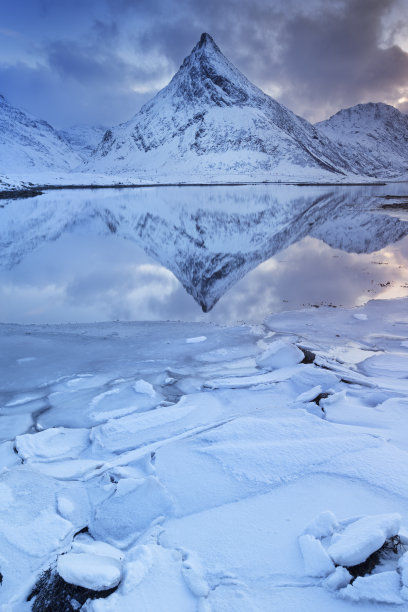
(95, 572)
(195, 498)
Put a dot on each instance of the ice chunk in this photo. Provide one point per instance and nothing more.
(13, 425)
(140, 429)
(8, 458)
(279, 354)
(133, 507)
(153, 582)
(316, 560)
(386, 364)
(73, 503)
(23, 399)
(323, 525)
(144, 387)
(196, 340)
(360, 316)
(382, 588)
(240, 382)
(69, 469)
(83, 543)
(124, 399)
(95, 572)
(310, 394)
(363, 537)
(53, 443)
(39, 536)
(338, 579)
(403, 568)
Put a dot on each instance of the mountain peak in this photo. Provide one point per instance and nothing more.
(204, 51)
(206, 39)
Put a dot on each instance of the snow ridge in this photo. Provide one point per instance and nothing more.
(374, 137)
(28, 144)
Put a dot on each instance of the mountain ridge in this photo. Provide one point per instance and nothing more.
(29, 144)
(375, 135)
(210, 109)
(209, 124)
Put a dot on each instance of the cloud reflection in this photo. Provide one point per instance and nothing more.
(249, 251)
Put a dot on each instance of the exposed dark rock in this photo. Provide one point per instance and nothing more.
(52, 594)
(390, 548)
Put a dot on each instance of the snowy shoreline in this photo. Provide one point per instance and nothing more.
(21, 191)
(182, 461)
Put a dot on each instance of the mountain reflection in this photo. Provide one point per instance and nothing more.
(208, 237)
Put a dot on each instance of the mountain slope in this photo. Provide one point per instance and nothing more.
(209, 121)
(83, 139)
(28, 144)
(374, 138)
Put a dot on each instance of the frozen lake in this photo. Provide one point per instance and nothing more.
(222, 254)
(186, 466)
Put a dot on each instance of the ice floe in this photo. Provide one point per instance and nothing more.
(185, 467)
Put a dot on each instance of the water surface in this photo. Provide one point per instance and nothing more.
(222, 254)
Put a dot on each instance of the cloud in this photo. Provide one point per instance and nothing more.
(335, 59)
(99, 61)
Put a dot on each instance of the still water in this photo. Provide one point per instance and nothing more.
(222, 254)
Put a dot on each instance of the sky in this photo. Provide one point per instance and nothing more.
(98, 61)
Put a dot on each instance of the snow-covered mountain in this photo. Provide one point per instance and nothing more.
(30, 145)
(374, 138)
(83, 138)
(209, 124)
(210, 121)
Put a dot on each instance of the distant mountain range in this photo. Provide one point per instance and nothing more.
(30, 145)
(210, 124)
(83, 139)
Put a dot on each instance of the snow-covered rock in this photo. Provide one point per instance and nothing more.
(373, 137)
(363, 537)
(30, 145)
(95, 572)
(83, 543)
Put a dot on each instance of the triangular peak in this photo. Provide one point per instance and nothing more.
(206, 40)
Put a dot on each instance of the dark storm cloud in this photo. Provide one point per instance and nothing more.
(336, 59)
(98, 61)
